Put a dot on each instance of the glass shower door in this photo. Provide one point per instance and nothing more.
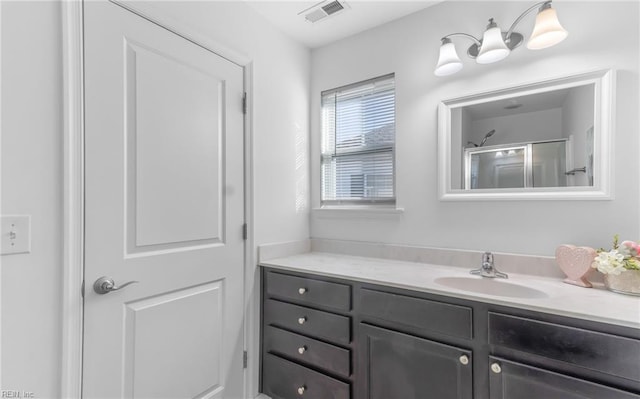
(503, 168)
(541, 164)
(549, 162)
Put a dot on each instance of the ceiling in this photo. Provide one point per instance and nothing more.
(358, 16)
(522, 104)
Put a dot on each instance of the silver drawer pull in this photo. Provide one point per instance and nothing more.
(464, 359)
(495, 367)
(302, 320)
(302, 350)
(302, 291)
(301, 390)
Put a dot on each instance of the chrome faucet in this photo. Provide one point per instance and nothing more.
(488, 269)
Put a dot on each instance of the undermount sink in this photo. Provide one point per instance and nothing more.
(490, 286)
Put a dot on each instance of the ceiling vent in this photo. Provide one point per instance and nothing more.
(322, 10)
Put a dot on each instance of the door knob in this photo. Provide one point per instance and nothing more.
(105, 285)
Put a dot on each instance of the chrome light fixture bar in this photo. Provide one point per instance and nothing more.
(496, 45)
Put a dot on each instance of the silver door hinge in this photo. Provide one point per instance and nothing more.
(244, 103)
(244, 360)
(244, 231)
(82, 289)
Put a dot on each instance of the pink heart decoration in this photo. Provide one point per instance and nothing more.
(575, 262)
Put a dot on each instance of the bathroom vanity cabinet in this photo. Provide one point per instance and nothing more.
(336, 338)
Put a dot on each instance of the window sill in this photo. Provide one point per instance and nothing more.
(356, 211)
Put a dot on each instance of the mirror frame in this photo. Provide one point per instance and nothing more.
(602, 189)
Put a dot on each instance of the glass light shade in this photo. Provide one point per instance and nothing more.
(448, 61)
(493, 48)
(547, 31)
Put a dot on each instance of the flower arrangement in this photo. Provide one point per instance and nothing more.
(622, 257)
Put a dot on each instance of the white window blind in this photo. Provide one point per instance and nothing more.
(358, 141)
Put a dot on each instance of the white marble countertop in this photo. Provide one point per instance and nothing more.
(552, 295)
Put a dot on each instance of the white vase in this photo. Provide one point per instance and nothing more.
(627, 282)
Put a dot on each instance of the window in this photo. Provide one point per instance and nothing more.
(358, 141)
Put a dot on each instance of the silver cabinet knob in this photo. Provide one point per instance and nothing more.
(464, 359)
(302, 320)
(301, 390)
(302, 291)
(105, 285)
(495, 367)
(302, 350)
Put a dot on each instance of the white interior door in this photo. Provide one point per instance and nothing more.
(164, 207)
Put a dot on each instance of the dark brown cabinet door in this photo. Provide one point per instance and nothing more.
(394, 365)
(511, 380)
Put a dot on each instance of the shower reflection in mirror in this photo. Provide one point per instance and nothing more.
(539, 164)
(540, 140)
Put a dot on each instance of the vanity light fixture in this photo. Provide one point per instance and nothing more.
(496, 45)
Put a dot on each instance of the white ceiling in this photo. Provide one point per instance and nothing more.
(529, 103)
(358, 16)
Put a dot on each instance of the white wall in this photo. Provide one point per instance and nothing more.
(577, 118)
(32, 184)
(460, 122)
(409, 47)
(518, 128)
(32, 161)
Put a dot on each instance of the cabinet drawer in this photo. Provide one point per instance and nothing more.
(308, 350)
(519, 381)
(424, 314)
(312, 322)
(601, 352)
(283, 379)
(309, 291)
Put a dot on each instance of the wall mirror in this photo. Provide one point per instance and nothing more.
(545, 140)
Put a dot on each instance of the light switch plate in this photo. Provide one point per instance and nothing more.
(16, 234)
